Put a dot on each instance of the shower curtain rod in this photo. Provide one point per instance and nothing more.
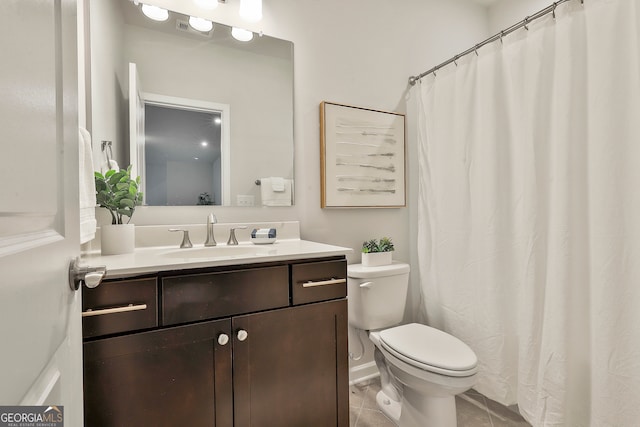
(524, 23)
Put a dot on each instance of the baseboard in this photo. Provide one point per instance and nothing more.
(363, 372)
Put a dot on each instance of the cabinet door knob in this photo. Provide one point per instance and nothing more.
(242, 335)
(223, 339)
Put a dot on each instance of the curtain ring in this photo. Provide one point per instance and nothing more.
(455, 60)
(476, 50)
(553, 12)
(501, 36)
(526, 23)
(434, 72)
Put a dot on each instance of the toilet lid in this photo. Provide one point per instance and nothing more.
(429, 346)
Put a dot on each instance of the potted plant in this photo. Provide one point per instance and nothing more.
(119, 194)
(377, 252)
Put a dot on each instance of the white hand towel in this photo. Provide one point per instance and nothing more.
(277, 184)
(87, 188)
(275, 198)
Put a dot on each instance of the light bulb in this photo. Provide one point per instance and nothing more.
(251, 10)
(200, 24)
(241, 34)
(207, 4)
(154, 12)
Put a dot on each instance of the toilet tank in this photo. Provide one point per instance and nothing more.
(377, 295)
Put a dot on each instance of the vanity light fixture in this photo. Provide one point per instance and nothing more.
(241, 34)
(251, 10)
(154, 12)
(200, 24)
(204, 143)
(207, 4)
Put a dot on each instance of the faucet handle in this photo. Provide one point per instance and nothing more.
(186, 243)
(232, 234)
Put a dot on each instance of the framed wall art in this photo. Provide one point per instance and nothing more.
(362, 154)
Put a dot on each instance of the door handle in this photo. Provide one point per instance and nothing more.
(90, 276)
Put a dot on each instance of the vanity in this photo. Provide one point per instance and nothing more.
(257, 337)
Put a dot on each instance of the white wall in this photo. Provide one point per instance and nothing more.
(108, 76)
(505, 13)
(361, 53)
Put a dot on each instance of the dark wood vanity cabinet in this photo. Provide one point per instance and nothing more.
(292, 369)
(167, 377)
(231, 348)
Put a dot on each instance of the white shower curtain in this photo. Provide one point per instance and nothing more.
(529, 213)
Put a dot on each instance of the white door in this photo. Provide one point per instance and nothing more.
(40, 326)
(136, 127)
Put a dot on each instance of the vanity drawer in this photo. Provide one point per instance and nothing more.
(318, 281)
(197, 297)
(119, 306)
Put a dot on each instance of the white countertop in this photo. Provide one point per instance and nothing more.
(164, 258)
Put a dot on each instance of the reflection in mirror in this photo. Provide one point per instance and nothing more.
(254, 80)
(182, 156)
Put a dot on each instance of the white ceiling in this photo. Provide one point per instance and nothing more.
(484, 2)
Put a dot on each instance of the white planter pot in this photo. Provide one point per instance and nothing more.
(116, 239)
(375, 259)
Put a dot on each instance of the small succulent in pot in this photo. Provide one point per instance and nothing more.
(372, 246)
(119, 193)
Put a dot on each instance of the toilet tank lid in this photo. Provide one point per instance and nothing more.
(359, 271)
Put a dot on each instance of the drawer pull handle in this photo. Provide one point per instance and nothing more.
(124, 309)
(311, 284)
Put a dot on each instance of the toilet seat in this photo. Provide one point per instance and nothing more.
(429, 349)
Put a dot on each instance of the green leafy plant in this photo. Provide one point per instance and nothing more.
(116, 191)
(383, 245)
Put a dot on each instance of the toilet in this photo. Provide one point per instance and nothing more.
(422, 369)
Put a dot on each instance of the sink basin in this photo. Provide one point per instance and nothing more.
(221, 251)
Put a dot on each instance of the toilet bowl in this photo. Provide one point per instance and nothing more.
(422, 369)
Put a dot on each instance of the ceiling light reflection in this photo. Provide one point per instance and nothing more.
(154, 12)
(241, 34)
(200, 24)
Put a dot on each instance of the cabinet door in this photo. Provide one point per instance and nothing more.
(291, 370)
(170, 377)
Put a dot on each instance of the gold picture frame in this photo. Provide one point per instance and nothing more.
(362, 155)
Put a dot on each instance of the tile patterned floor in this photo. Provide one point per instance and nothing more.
(474, 410)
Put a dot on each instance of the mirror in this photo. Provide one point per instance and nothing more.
(240, 92)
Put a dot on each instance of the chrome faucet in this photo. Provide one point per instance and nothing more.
(211, 241)
(232, 235)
